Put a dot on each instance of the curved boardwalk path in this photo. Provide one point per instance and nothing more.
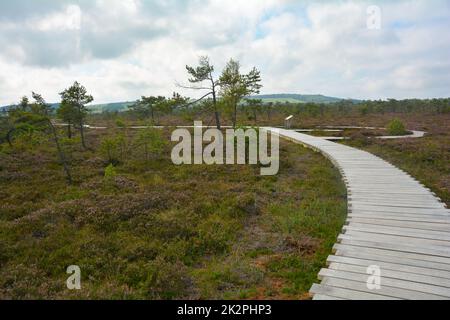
(394, 223)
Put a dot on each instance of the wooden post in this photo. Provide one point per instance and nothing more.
(288, 122)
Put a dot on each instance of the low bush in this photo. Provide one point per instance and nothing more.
(110, 172)
(396, 128)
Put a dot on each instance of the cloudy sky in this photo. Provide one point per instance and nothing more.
(122, 49)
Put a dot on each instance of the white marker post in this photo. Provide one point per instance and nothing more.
(288, 122)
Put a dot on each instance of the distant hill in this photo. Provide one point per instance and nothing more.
(298, 98)
(110, 107)
(281, 98)
(95, 108)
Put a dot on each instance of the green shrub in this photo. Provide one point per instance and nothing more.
(359, 139)
(364, 110)
(110, 172)
(166, 280)
(215, 234)
(120, 123)
(151, 141)
(114, 149)
(396, 128)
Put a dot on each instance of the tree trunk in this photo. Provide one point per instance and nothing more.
(153, 115)
(234, 115)
(61, 153)
(110, 159)
(8, 137)
(146, 152)
(83, 142)
(216, 113)
(69, 130)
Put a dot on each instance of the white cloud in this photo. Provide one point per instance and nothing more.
(123, 49)
(70, 19)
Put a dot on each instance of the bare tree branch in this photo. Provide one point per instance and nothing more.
(198, 100)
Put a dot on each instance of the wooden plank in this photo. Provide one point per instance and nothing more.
(442, 262)
(384, 195)
(421, 290)
(400, 231)
(421, 194)
(422, 225)
(387, 291)
(367, 190)
(394, 274)
(387, 208)
(398, 203)
(399, 198)
(396, 247)
(325, 297)
(346, 293)
(355, 183)
(404, 241)
(400, 216)
(390, 263)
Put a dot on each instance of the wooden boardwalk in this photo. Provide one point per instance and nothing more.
(393, 222)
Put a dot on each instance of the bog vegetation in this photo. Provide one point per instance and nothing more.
(111, 201)
(141, 228)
